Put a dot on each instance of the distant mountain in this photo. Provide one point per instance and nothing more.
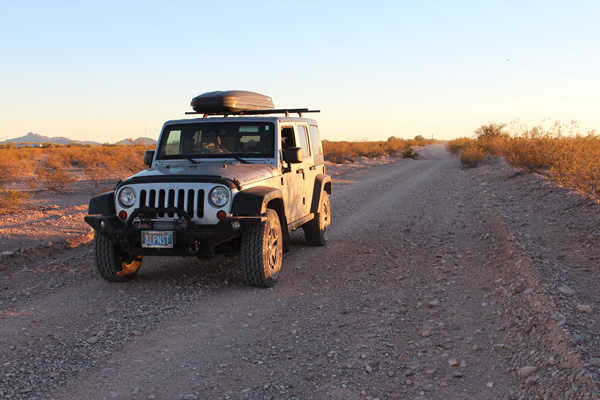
(139, 140)
(35, 138)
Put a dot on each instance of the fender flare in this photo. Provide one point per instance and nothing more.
(253, 201)
(103, 204)
(322, 183)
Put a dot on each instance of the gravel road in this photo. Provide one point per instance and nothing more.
(438, 283)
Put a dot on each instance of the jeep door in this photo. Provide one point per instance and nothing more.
(308, 163)
(297, 190)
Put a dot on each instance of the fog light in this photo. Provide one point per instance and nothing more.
(102, 224)
(221, 214)
(235, 225)
(123, 215)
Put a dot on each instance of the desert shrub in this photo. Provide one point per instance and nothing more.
(337, 152)
(492, 145)
(471, 156)
(97, 162)
(528, 154)
(108, 161)
(415, 142)
(340, 152)
(51, 173)
(129, 160)
(490, 131)
(394, 145)
(409, 153)
(577, 163)
(94, 169)
(9, 166)
(568, 156)
(455, 146)
(49, 166)
(11, 200)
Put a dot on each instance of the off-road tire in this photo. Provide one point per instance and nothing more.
(262, 252)
(112, 263)
(316, 231)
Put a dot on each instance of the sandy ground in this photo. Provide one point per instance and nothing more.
(438, 283)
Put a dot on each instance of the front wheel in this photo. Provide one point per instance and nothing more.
(262, 252)
(112, 263)
(316, 231)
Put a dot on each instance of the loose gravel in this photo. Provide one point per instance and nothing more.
(438, 283)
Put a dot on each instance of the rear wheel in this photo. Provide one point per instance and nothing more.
(262, 252)
(112, 263)
(316, 231)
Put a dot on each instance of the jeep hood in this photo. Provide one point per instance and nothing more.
(237, 174)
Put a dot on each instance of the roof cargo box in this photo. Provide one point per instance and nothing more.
(231, 101)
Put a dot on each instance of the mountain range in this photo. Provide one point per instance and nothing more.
(35, 138)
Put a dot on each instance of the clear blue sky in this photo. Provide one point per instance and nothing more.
(109, 70)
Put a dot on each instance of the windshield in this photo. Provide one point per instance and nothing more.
(218, 140)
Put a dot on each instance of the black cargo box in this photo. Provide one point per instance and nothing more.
(231, 101)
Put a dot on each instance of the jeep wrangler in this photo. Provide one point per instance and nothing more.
(236, 180)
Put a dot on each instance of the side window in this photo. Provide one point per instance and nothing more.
(316, 144)
(287, 138)
(303, 137)
(316, 141)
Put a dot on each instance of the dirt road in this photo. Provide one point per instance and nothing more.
(437, 283)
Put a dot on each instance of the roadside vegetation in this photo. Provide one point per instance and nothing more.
(560, 151)
(344, 151)
(57, 167)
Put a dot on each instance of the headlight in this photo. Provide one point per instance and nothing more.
(219, 196)
(127, 197)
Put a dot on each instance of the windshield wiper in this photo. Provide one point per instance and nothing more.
(191, 159)
(239, 159)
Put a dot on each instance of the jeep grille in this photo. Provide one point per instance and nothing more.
(190, 200)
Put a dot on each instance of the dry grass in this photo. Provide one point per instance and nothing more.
(561, 151)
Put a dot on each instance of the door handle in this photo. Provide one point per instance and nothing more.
(300, 171)
(312, 167)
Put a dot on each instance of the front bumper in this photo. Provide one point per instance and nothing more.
(193, 240)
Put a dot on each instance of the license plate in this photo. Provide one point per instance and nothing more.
(157, 240)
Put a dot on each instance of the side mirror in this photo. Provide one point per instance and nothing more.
(148, 157)
(293, 155)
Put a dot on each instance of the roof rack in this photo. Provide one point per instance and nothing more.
(285, 111)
